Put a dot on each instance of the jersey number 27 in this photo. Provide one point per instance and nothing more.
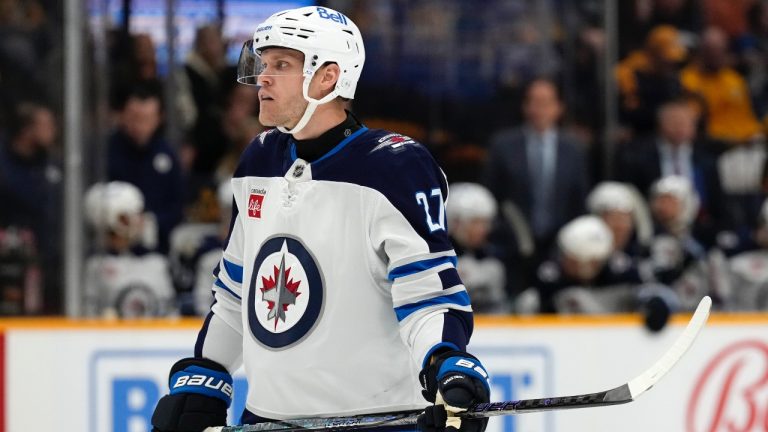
(437, 197)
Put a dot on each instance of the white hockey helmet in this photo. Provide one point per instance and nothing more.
(610, 195)
(107, 203)
(470, 200)
(586, 238)
(323, 35)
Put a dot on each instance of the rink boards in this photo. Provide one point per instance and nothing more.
(96, 376)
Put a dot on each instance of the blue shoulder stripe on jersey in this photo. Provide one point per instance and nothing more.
(460, 298)
(234, 271)
(334, 150)
(419, 266)
(221, 285)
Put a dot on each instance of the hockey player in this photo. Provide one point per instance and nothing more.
(338, 282)
(576, 281)
(471, 211)
(749, 273)
(677, 258)
(125, 280)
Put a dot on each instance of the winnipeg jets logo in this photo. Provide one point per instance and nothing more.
(285, 296)
(279, 292)
(394, 142)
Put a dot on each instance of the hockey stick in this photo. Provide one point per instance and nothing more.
(623, 394)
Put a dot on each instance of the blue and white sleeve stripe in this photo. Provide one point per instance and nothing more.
(428, 284)
(414, 268)
(454, 298)
(229, 277)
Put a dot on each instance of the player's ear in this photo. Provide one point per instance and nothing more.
(328, 76)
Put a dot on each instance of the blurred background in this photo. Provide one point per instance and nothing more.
(605, 157)
(121, 123)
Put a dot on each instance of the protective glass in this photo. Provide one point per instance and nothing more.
(251, 66)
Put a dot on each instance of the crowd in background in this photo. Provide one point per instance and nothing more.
(548, 210)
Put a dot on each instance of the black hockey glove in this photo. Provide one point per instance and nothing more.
(454, 381)
(201, 391)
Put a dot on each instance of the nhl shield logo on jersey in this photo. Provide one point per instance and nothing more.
(285, 296)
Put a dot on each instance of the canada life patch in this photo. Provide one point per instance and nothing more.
(255, 202)
(285, 295)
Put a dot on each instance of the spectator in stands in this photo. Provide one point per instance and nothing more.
(206, 74)
(138, 66)
(470, 212)
(753, 52)
(139, 154)
(729, 15)
(675, 150)
(30, 188)
(638, 17)
(538, 168)
(124, 280)
(730, 118)
(648, 78)
(27, 44)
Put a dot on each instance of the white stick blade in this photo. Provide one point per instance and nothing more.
(647, 379)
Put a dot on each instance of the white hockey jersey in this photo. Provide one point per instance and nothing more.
(338, 279)
(128, 286)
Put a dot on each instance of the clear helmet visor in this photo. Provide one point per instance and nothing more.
(252, 65)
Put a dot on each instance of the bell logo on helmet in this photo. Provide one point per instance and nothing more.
(338, 17)
(263, 28)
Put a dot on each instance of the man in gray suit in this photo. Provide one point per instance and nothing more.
(538, 168)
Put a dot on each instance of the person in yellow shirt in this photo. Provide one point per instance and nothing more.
(649, 77)
(723, 92)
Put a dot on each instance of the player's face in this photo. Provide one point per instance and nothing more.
(281, 102)
(621, 225)
(666, 209)
(472, 233)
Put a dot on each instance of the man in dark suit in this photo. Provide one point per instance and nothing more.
(674, 151)
(538, 168)
(139, 154)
